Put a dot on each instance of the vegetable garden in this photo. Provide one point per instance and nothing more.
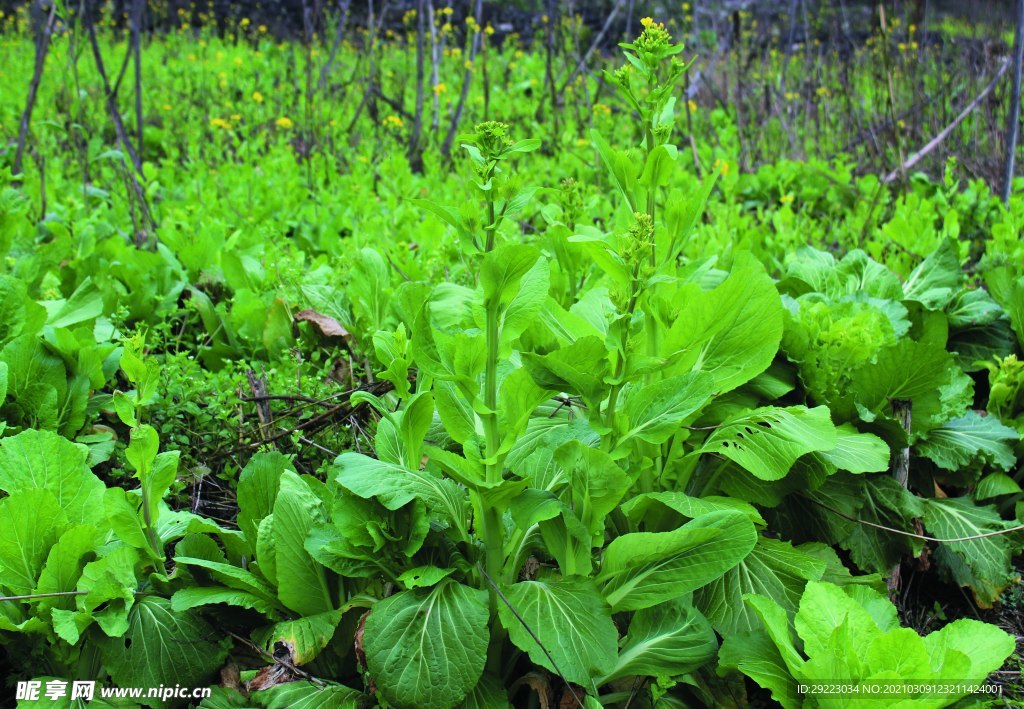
(406, 359)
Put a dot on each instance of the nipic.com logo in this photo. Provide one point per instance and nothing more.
(86, 690)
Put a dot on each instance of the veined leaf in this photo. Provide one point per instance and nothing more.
(428, 648)
(232, 576)
(162, 647)
(667, 640)
(572, 621)
(395, 485)
(731, 332)
(305, 636)
(301, 581)
(654, 412)
(774, 569)
(969, 440)
(767, 441)
(194, 596)
(31, 522)
(857, 452)
(258, 484)
(643, 569)
(306, 695)
(982, 564)
(45, 460)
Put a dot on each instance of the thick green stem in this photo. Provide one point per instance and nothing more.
(491, 526)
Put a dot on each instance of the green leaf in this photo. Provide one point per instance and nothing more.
(305, 637)
(424, 576)
(427, 648)
(1007, 288)
(395, 485)
(301, 581)
(667, 640)
(731, 332)
(109, 586)
(934, 282)
(233, 577)
(856, 273)
(31, 522)
(996, 485)
(982, 564)
(654, 412)
(502, 270)
(924, 373)
(970, 441)
(659, 166)
(767, 441)
(572, 622)
(64, 565)
(41, 460)
(489, 693)
(596, 484)
(644, 507)
(985, 646)
(774, 569)
(878, 499)
(161, 647)
(258, 484)
(643, 569)
(84, 304)
(857, 452)
(756, 656)
(195, 596)
(306, 695)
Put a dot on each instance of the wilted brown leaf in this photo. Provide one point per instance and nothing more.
(328, 326)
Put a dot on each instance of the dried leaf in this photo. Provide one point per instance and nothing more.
(328, 326)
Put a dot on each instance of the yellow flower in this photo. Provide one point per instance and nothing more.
(447, 11)
(220, 123)
(393, 122)
(236, 117)
(440, 89)
(786, 199)
(285, 123)
(692, 105)
(722, 165)
(262, 29)
(488, 30)
(647, 22)
(257, 97)
(244, 23)
(167, 107)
